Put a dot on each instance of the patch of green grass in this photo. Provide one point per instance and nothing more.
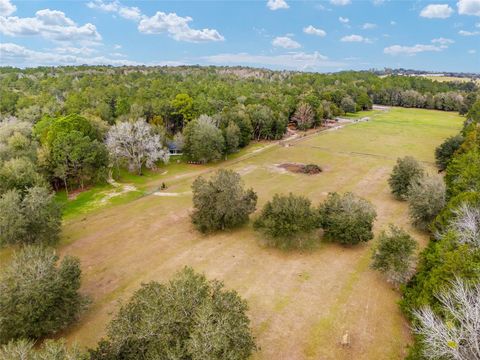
(304, 276)
(281, 303)
(362, 114)
(81, 203)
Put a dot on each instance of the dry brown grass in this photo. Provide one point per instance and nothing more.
(301, 303)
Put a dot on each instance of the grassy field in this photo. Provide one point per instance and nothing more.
(452, 79)
(301, 303)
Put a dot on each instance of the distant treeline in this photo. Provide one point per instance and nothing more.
(173, 95)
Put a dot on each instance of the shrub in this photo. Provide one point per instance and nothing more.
(347, 219)
(50, 350)
(284, 218)
(404, 173)
(204, 141)
(37, 297)
(445, 151)
(221, 202)
(188, 318)
(394, 255)
(34, 219)
(426, 198)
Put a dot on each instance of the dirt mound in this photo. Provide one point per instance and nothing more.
(309, 169)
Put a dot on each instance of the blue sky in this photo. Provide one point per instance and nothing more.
(321, 36)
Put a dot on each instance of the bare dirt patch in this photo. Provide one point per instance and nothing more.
(298, 168)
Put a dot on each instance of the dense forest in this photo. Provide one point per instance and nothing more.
(175, 94)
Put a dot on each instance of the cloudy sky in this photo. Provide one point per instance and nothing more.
(325, 36)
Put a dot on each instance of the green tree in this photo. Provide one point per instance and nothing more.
(203, 141)
(73, 150)
(182, 106)
(347, 219)
(13, 225)
(348, 105)
(17, 140)
(394, 255)
(19, 174)
(232, 136)
(37, 296)
(35, 218)
(463, 173)
(285, 219)
(445, 151)
(426, 198)
(221, 202)
(187, 318)
(76, 158)
(404, 173)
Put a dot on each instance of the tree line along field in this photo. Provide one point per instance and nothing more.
(301, 303)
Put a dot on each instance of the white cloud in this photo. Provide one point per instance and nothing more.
(72, 50)
(177, 27)
(16, 55)
(436, 11)
(117, 46)
(344, 20)
(7, 8)
(469, 7)
(378, 2)
(393, 23)
(477, 25)
(468, 33)
(127, 12)
(311, 30)
(472, 51)
(355, 38)
(411, 50)
(285, 42)
(50, 24)
(442, 41)
(340, 2)
(293, 60)
(277, 4)
(367, 26)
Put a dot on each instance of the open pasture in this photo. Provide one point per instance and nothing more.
(301, 303)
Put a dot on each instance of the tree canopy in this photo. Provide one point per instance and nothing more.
(221, 202)
(187, 318)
